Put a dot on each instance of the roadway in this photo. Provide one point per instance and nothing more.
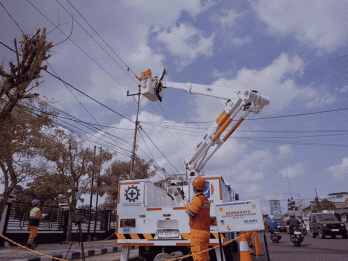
(317, 249)
(311, 249)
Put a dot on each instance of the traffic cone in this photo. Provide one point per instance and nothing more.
(258, 249)
(250, 242)
(244, 254)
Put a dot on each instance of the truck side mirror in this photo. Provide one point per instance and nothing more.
(236, 196)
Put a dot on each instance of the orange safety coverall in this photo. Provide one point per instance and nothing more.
(35, 216)
(199, 213)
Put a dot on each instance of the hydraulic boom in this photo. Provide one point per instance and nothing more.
(237, 101)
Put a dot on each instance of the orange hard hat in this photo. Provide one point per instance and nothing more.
(199, 183)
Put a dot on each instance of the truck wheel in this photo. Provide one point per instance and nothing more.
(313, 234)
(321, 234)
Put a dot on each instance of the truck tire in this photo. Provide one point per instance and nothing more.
(321, 234)
(313, 234)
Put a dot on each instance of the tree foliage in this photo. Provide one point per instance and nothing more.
(118, 171)
(20, 139)
(70, 166)
(20, 129)
(323, 205)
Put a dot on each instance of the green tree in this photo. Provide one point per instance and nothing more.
(71, 167)
(19, 128)
(323, 205)
(118, 171)
(21, 137)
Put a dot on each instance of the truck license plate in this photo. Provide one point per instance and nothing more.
(168, 234)
(335, 230)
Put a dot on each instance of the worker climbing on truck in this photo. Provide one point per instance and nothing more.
(199, 214)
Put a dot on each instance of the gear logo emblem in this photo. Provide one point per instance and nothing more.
(132, 193)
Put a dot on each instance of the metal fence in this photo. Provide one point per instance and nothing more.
(15, 222)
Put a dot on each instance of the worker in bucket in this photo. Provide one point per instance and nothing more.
(199, 214)
(34, 221)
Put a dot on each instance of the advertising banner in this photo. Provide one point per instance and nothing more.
(239, 216)
(275, 209)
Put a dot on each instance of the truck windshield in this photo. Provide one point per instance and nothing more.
(326, 217)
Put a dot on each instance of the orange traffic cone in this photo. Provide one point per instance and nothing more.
(258, 249)
(250, 242)
(244, 248)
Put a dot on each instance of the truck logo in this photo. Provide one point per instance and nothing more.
(132, 193)
(209, 189)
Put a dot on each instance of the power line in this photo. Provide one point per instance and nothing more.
(60, 79)
(158, 149)
(12, 18)
(186, 149)
(90, 97)
(103, 41)
(78, 47)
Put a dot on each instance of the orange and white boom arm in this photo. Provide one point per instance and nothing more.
(237, 100)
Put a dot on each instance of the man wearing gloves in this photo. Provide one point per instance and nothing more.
(34, 221)
(199, 214)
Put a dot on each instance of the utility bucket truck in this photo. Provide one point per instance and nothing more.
(153, 217)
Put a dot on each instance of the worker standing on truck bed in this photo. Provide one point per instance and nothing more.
(199, 214)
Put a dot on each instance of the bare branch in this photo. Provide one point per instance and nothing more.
(72, 28)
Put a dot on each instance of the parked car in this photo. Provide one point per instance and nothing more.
(324, 224)
(281, 225)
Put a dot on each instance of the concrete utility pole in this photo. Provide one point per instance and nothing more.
(135, 134)
(90, 202)
(98, 184)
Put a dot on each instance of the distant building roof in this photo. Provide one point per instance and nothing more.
(338, 193)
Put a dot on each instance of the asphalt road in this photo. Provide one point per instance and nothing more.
(311, 249)
(133, 253)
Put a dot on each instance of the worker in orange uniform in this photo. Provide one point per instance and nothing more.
(34, 221)
(199, 214)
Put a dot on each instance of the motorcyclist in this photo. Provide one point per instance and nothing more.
(272, 224)
(292, 222)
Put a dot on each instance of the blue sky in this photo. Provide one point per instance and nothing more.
(294, 52)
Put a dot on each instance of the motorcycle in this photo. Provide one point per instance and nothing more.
(275, 236)
(303, 229)
(296, 237)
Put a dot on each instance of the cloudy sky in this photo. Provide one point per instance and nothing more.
(294, 52)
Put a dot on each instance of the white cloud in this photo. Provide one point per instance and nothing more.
(340, 171)
(292, 172)
(273, 81)
(323, 23)
(163, 13)
(253, 191)
(250, 176)
(186, 41)
(257, 161)
(229, 19)
(319, 96)
(285, 150)
(343, 89)
(104, 89)
(240, 41)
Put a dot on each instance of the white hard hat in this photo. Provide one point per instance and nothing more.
(272, 217)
